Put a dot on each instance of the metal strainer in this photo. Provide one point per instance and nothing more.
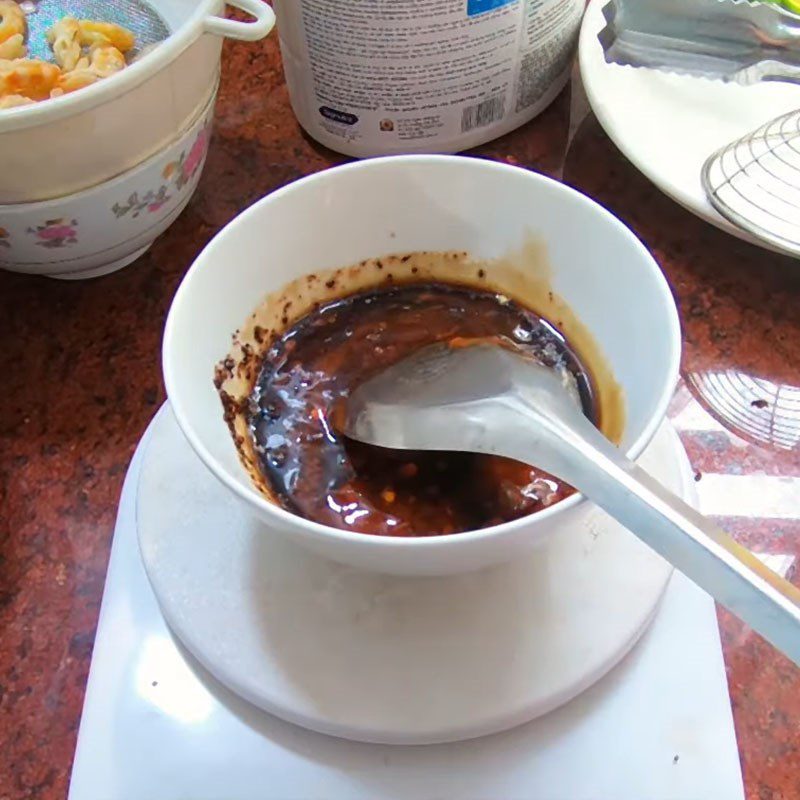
(755, 182)
(136, 15)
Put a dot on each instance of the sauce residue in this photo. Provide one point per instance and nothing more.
(316, 472)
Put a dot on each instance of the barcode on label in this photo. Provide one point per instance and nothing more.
(484, 113)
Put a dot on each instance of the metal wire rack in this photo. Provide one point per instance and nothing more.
(756, 409)
(755, 182)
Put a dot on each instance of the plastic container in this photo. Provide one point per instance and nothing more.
(412, 76)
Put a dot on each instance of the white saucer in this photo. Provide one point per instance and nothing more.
(386, 659)
(667, 125)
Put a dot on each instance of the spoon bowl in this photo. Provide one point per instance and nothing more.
(489, 399)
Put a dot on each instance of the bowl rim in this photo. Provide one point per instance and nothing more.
(121, 177)
(89, 97)
(250, 494)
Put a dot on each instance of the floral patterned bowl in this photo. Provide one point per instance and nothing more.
(105, 228)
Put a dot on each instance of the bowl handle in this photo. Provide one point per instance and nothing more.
(246, 31)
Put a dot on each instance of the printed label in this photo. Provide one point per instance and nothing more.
(475, 7)
(395, 75)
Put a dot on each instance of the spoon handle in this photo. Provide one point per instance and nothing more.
(701, 550)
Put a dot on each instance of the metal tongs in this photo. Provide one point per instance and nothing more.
(730, 40)
(755, 181)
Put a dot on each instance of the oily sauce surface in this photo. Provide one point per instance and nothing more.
(322, 476)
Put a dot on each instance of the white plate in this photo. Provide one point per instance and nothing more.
(667, 125)
(390, 659)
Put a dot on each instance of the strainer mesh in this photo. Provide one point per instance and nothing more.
(135, 15)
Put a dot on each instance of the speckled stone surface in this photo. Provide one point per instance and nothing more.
(81, 380)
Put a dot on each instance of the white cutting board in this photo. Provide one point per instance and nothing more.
(156, 727)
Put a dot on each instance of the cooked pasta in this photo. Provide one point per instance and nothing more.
(85, 52)
(15, 100)
(65, 39)
(28, 77)
(106, 60)
(104, 33)
(12, 20)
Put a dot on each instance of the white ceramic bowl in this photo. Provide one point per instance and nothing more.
(105, 228)
(408, 204)
(61, 146)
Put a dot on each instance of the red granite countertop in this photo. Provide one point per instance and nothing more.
(81, 381)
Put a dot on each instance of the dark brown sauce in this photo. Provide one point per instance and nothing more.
(320, 475)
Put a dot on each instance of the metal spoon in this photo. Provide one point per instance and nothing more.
(486, 399)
